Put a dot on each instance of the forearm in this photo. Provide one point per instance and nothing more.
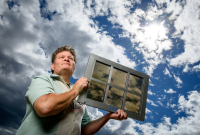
(94, 126)
(53, 103)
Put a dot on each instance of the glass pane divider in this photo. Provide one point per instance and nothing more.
(124, 100)
(110, 74)
(91, 78)
(107, 88)
(93, 67)
(127, 79)
(106, 94)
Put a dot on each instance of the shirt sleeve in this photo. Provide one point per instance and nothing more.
(85, 119)
(40, 86)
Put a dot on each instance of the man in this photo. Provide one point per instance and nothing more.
(51, 102)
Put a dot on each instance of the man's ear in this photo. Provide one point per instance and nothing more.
(52, 66)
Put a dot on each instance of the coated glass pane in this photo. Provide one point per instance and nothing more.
(101, 72)
(132, 103)
(115, 97)
(96, 91)
(118, 78)
(135, 84)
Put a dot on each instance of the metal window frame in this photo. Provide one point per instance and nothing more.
(102, 105)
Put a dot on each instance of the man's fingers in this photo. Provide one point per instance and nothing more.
(82, 84)
(121, 115)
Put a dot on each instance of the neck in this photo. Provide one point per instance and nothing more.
(65, 75)
(66, 78)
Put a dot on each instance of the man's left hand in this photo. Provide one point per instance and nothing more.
(119, 115)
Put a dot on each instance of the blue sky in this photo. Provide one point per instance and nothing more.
(159, 38)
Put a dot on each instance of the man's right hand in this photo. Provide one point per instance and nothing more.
(81, 84)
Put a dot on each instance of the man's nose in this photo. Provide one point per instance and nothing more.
(66, 59)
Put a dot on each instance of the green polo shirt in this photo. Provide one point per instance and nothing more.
(32, 124)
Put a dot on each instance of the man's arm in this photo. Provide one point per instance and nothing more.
(52, 104)
(94, 126)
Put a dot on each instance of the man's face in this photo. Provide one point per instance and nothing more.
(64, 61)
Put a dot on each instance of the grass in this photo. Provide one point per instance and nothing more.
(101, 72)
(132, 103)
(118, 78)
(135, 84)
(115, 97)
(96, 91)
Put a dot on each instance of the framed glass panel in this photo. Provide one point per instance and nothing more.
(115, 97)
(132, 103)
(96, 91)
(118, 78)
(114, 86)
(135, 84)
(101, 72)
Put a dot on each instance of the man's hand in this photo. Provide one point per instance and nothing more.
(119, 115)
(81, 84)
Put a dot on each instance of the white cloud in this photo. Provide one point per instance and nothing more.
(94, 113)
(150, 83)
(36, 37)
(171, 105)
(163, 97)
(188, 24)
(151, 93)
(166, 72)
(178, 80)
(170, 91)
(196, 68)
(151, 102)
(152, 38)
(147, 111)
(159, 102)
(98, 41)
(173, 7)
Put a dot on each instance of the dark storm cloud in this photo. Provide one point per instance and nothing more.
(13, 83)
(12, 104)
(10, 65)
(10, 119)
(17, 69)
(15, 32)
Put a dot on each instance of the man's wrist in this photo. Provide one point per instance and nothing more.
(75, 91)
(108, 115)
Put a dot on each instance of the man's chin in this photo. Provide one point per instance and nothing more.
(67, 70)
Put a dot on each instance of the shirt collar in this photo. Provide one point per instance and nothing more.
(57, 77)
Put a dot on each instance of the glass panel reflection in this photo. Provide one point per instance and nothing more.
(118, 78)
(135, 84)
(132, 103)
(115, 97)
(101, 72)
(96, 91)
